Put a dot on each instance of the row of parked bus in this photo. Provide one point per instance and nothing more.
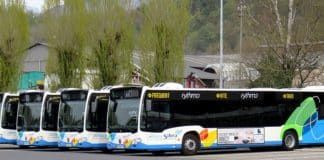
(165, 117)
(68, 118)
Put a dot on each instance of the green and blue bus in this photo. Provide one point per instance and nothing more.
(122, 115)
(8, 117)
(71, 117)
(47, 135)
(28, 117)
(189, 120)
(94, 133)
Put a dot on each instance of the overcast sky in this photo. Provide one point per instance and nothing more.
(35, 5)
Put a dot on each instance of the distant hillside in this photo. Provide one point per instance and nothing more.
(204, 30)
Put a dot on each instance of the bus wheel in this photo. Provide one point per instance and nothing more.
(190, 144)
(290, 141)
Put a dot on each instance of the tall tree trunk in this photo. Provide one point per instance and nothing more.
(291, 19)
(278, 20)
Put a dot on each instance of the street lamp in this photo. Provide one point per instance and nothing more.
(240, 8)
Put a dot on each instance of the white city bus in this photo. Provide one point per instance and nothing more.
(47, 134)
(94, 132)
(8, 116)
(189, 120)
(28, 118)
(122, 115)
(71, 117)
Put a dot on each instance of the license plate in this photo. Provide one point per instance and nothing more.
(68, 145)
(26, 143)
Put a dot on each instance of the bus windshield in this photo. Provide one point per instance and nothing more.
(97, 112)
(9, 114)
(50, 114)
(29, 111)
(71, 111)
(123, 110)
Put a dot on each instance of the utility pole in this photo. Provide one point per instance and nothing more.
(241, 25)
(241, 38)
(221, 46)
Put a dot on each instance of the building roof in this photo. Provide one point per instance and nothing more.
(196, 63)
(204, 60)
(36, 58)
(37, 55)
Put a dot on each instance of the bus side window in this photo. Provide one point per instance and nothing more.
(319, 106)
(320, 110)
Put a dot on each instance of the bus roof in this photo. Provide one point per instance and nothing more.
(246, 90)
(314, 88)
(70, 89)
(31, 91)
(126, 86)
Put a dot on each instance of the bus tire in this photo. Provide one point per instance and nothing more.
(190, 144)
(290, 141)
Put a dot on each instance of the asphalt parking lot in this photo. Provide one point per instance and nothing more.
(11, 152)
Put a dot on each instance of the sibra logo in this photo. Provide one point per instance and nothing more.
(248, 95)
(170, 135)
(189, 95)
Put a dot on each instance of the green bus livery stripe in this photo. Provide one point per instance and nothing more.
(299, 117)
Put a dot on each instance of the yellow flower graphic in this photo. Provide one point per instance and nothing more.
(31, 140)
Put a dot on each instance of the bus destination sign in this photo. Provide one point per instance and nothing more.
(158, 95)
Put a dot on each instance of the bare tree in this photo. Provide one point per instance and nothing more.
(287, 40)
(13, 42)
